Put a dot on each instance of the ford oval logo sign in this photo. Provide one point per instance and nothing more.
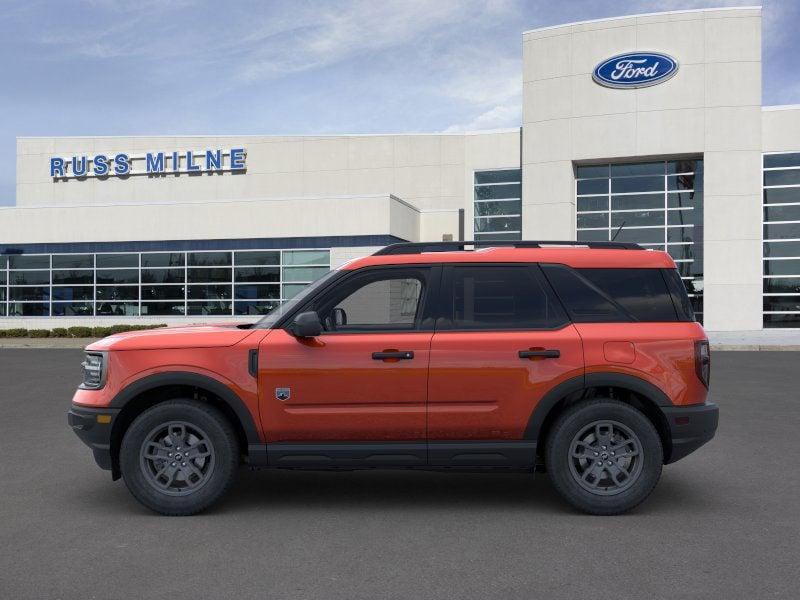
(635, 70)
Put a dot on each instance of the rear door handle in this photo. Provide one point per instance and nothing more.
(393, 354)
(539, 353)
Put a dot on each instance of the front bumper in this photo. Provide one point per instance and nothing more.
(93, 426)
(690, 427)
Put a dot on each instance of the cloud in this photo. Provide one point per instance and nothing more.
(333, 33)
(498, 117)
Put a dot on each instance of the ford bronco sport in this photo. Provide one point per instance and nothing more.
(581, 359)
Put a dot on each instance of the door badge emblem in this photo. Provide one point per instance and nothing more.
(283, 394)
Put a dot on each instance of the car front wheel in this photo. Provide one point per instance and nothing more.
(604, 456)
(179, 457)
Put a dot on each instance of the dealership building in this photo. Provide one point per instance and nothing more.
(646, 128)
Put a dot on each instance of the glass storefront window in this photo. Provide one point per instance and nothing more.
(163, 259)
(497, 205)
(155, 283)
(29, 261)
(116, 261)
(781, 247)
(209, 259)
(657, 204)
(73, 261)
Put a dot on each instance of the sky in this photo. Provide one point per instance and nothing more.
(160, 67)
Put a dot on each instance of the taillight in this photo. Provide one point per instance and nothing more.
(702, 361)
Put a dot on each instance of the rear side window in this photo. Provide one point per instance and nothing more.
(679, 296)
(496, 297)
(613, 295)
(585, 302)
(642, 292)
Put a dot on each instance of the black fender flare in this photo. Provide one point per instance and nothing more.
(590, 380)
(216, 387)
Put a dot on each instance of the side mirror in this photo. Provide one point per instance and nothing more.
(306, 325)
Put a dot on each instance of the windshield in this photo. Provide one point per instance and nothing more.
(275, 315)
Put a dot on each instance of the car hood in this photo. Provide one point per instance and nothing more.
(192, 336)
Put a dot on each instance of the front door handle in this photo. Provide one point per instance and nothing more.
(539, 353)
(393, 355)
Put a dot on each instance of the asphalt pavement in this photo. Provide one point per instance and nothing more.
(722, 523)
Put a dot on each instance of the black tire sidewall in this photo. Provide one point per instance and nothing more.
(221, 436)
(558, 447)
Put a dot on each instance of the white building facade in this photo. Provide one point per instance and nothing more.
(679, 155)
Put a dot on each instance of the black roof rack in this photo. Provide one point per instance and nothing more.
(420, 247)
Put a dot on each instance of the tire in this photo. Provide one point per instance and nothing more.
(179, 457)
(587, 434)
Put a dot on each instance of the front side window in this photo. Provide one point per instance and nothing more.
(379, 301)
(490, 297)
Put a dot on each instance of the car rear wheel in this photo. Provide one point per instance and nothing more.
(179, 457)
(604, 456)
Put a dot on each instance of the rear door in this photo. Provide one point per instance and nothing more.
(502, 342)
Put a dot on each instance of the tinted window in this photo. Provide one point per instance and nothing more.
(680, 300)
(585, 302)
(642, 292)
(495, 297)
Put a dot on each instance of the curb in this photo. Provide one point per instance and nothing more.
(755, 348)
(52, 343)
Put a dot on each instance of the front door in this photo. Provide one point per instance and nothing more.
(356, 393)
(501, 343)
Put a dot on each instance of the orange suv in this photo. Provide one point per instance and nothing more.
(581, 359)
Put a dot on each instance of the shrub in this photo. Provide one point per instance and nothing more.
(80, 332)
(16, 332)
(74, 332)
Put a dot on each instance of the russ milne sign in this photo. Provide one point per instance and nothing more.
(635, 70)
(151, 163)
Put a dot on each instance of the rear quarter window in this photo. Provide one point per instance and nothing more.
(613, 295)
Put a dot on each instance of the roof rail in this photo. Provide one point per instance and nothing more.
(420, 247)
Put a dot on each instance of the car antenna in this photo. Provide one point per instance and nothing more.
(616, 233)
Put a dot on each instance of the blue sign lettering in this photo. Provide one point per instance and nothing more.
(79, 166)
(155, 162)
(100, 165)
(190, 166)
(237, 159)
(213, 160)
(149, 163)
(635, 70)
(56, 167)
(121, 164)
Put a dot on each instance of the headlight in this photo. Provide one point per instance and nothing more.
(94, 370)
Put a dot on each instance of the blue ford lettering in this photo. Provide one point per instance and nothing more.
(635, 70)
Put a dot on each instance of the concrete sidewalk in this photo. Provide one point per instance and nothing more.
(768, 339)
(764, 339)
(46, 342)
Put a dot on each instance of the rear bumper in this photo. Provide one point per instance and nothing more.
(93, 432)
(690, 427)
